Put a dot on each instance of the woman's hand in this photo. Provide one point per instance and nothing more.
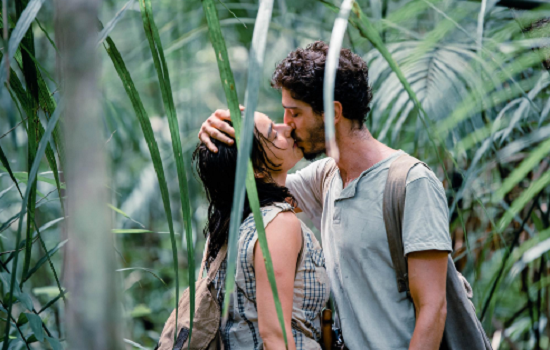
(284, 237)
(215, 127)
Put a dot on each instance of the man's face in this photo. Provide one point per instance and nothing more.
(308, 127)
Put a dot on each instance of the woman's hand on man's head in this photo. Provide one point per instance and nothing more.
(215, 127)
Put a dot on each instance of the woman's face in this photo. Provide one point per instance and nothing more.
(278, 145)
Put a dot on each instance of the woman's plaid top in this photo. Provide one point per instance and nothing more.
(311, 290)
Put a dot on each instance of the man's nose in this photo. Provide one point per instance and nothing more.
(288, 121)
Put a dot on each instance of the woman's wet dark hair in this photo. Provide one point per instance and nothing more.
(217, 173)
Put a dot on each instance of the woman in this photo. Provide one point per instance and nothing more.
(298, 260)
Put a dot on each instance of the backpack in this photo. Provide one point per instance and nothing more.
(462, 328)
(206, 325)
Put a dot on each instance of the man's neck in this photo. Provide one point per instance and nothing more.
(358, 152)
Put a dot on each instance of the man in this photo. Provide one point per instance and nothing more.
(373, 314)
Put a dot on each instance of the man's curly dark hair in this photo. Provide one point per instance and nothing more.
(302, 73)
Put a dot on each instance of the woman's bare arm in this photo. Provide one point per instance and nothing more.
(284, 238)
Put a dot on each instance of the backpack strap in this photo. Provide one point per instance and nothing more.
(215, 266)
(393, 209)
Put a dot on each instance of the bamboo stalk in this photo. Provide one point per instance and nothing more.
(92, 314)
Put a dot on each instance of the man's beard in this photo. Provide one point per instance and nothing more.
(315, 141)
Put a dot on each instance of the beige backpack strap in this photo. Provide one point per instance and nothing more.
(215, 266)
(393, 209)
(329, 171)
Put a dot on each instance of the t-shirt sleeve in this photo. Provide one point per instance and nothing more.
(426, 217)
(306, 186)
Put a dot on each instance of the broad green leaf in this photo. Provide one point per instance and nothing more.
(161, 67)
(36, 326)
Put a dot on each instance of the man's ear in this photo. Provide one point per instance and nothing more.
(338, 112)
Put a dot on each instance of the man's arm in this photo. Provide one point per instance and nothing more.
(427, 282)
(427, 245)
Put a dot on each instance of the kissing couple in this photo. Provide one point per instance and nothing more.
(344, 199)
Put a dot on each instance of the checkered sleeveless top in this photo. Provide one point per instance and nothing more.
(311, 290)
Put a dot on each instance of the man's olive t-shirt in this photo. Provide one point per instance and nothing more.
(373, 314)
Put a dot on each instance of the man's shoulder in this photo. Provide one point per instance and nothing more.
(420, 171)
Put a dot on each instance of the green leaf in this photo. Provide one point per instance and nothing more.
(36, 326)
(140, 311)
(161, 67)
(22, 319)
(15, 290)
(22, 176)
(54, 343)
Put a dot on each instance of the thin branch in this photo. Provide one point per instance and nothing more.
(21, 122)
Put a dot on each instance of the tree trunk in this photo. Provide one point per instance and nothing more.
(92, 309)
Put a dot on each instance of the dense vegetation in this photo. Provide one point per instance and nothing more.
(469, 95)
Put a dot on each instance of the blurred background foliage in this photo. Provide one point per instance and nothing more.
(479, 68)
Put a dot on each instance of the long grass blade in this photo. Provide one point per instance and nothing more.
(29, 72)
(161, 67)
(244, 137)
(147, 129)
(32, 174)
(333, 59)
